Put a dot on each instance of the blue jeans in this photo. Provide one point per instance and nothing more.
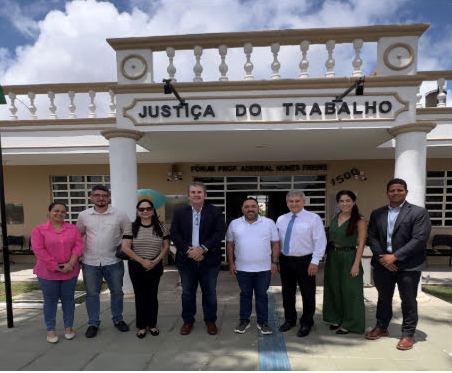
(52, 290)
(92, 277)
(191, 274)
(259, 283)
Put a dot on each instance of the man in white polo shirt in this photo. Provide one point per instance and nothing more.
(254, 241)
(103, 226)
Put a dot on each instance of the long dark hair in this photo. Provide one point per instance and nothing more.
(354, 218)
(156, 225)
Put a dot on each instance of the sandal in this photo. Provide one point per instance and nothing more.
(154, 331)
(141, 333)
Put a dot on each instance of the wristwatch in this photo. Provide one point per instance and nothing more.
(204, 249)
(277, 262)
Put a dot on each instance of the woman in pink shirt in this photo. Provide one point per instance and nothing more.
(57, 246)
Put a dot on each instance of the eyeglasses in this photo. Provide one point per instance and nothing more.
(143, 209)
(100, 195)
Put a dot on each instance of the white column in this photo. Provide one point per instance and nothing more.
(410, 158)
(123, 175)
(410, 163)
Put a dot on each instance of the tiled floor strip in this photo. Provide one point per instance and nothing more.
(272, 349)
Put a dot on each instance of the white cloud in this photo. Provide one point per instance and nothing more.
(23, 23)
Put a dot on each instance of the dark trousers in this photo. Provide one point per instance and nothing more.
(191, 274)
(146, 286)
(257, 282)
(407, 283)
(294, 270)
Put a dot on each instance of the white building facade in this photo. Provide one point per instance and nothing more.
(258, 137)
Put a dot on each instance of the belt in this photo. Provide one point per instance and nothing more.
(296, 258)
(342, 248)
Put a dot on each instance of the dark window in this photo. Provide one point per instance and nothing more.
(241, 179)
(434, 199)
(209, 179)
(309, 193)
(434, 206)
(310, 178)
(77, 186)
(214, 187)
(59, 179)
(94, 179)
(434, 190)
(275, 186)
(60, 194)
(435, 173)
(77, 179)
(214, 194)
(78, 194)
(309, 186)
(435, 182)
(276, 178)
(241, 186)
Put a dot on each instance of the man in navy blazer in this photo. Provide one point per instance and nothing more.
(398, 236)
(197, 231)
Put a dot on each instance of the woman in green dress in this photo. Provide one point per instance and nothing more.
(343, 298)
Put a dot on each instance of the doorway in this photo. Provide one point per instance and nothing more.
(271, 204)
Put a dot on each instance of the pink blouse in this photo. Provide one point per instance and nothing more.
(52, 247)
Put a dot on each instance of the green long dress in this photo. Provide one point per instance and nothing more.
(343, 298)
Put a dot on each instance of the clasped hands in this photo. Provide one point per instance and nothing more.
(149, 264)
(196, 253)
(68, 267)
(387, 261)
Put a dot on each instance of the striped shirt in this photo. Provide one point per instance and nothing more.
(147, 244)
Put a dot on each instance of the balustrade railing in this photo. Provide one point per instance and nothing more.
(28, 96)
(438, 93)
(305, 46)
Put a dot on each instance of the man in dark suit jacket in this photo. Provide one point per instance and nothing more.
(398, 236)
(197, 231)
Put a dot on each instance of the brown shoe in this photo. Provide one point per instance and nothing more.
(186, 328)
(376, 333)
(405, 343)
(211, 328)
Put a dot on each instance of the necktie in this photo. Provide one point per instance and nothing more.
(288, 234)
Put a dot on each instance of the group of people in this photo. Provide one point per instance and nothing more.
(256, 249)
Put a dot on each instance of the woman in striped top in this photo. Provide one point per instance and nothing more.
(146, 242)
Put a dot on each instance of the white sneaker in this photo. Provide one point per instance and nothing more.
(69, 335)
(52, 339)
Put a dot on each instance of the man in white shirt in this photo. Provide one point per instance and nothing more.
(103, 226)
(254, 241)
(303, 242)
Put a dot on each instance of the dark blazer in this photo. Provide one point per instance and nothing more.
(409, 239)
(212, 230)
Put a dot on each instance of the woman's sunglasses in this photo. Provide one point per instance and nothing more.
(143, 209)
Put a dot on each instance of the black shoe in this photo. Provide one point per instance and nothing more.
(122, 326)
(155, 332)
(141, 334)
(286, 326)
(91, 332)
(303, 331)
(334, 327)
(341, 331)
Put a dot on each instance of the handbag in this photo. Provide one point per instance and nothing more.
(120, 254)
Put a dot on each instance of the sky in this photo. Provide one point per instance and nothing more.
(63, 41)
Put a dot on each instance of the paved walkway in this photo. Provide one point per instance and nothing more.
(24, 347)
